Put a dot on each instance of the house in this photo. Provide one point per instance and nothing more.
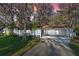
(59, 33)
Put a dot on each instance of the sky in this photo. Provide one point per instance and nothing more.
(55, 7)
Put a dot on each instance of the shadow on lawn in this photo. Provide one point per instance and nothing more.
(11, 44)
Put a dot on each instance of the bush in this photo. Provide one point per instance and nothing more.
(77, 30)
(75, 48)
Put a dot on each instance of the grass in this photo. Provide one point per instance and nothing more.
(26, 48)
(75, 47)
(11, 44)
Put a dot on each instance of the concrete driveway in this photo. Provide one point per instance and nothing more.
(50, 48)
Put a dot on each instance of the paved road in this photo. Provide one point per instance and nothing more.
(50, 48)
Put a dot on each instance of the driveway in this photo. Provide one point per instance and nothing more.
(50, 48)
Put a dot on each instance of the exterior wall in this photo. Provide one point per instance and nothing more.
(62, 35)
(48, 32)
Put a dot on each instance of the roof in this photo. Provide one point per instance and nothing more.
(54, 26)
(58, 26)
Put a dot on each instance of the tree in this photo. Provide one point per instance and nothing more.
(20, 10)
(7, 12)
(23, 17)
(71, 14)
(43, 14)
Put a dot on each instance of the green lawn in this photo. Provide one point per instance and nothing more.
(11, 44)
(75, 47)
(27, 47)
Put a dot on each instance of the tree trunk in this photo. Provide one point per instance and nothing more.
(24, 32)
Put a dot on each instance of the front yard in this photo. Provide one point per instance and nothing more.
(74, 45)
(11, 44)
